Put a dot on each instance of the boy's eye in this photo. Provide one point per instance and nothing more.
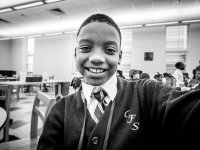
(111, 51)
(85, 48)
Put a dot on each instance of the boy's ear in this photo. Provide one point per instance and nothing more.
(120, 57)
(75, 52)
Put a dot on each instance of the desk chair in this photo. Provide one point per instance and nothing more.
(15, 90)
(37, 111)
(4, 102)
(30, 88)
(22, 77)
(3, 118)
(46, 87)
(31, 143)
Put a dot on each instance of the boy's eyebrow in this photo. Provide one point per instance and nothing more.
(111, 43)
(92, 42)
(86, 40)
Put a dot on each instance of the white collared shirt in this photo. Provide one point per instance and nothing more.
(110, 87)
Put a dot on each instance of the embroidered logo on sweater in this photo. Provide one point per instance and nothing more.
(130, 119)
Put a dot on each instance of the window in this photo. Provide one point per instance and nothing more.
(173, 58)
(176, 46)
(30, 55)
(126, 47)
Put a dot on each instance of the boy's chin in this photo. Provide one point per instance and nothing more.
(95, 82)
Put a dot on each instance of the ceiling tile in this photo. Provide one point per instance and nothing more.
(125, 12)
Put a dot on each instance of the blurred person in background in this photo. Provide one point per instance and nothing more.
(168, 79)
(144, 76)
(186, 78)
(196, 77)
(120, 74)
(178, 74)
(158, 76)
(134, 74)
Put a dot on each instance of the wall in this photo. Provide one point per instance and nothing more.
(149, 39)
(54, 54)
(5, 55)
(193, 47)
(18, 54)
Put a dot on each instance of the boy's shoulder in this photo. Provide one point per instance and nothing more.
(60, 106)
(141, 85)
(141, 82)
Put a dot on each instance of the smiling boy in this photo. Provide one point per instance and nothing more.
(131, 115)
(98, 53)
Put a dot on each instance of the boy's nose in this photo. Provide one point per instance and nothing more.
(97, 58)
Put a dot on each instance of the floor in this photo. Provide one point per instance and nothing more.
(21, 114)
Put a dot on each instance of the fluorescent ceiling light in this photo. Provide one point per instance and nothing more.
(6, 10)
(132, 26)
(49, 34)
(186, 21)
(68, 32)
(5, 38)
(51, 1)
(19, 37)
(33, 36)
(28, 5)
(162, 23)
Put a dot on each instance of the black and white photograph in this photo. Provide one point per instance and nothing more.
(99, 74)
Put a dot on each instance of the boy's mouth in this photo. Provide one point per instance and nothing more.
(96, 70)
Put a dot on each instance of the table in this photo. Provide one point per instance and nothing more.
(11, 84)
(3, 117)
(23, 144)
(8, 79)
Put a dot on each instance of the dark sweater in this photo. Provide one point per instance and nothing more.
(146, 115)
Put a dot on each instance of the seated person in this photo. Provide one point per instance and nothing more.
(134, 74)
(158, 77)
(169, 79)
(186, 78)
(144, 76)
(76, 82)
(120, 74)
(196, 79)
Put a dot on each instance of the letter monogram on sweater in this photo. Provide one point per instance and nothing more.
(130, 119)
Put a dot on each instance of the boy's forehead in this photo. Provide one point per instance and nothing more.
(96, 29)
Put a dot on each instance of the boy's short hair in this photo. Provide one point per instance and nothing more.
(100, 18)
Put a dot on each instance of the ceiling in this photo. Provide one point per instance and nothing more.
(67, 15)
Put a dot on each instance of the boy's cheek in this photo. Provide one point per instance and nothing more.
(79, 58)
(80, 70)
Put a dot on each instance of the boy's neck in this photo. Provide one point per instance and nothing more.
(110, 86)
(108, 81)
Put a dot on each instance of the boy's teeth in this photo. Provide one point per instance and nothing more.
(95, 70)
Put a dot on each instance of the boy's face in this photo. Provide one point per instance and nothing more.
(98, 52)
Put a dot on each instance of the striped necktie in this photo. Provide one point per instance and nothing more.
(99, 94)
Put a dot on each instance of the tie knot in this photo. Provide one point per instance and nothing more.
(99, 93)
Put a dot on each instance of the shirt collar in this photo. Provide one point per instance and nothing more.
(110, 87)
